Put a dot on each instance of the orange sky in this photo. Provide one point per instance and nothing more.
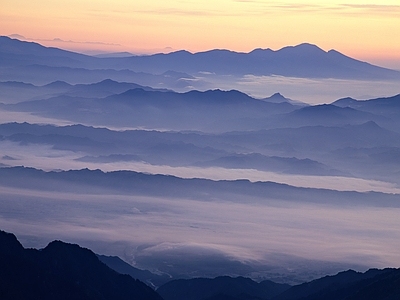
(368, 31)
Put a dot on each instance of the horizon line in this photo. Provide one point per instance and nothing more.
(168, 50)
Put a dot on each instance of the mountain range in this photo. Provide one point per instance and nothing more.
(217, 128)
(127, 105)
(304, 60)
(366, 150)
(177, 172)
(142, 184)
(138, 108)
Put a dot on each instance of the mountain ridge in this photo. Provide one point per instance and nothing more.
(137, 183)
(62, 271)
(373, 284)
(68, 271)
(304, 60)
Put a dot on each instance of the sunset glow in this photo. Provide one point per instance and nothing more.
(366, 31)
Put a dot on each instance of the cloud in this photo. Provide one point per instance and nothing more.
(17, 36)
(241, 8)
(46, 158)
(261, 7)
(175, 11)
(7, 157)
(191, 234)
(345, 8)
(374, 7)
(312, 91)
(298, 7)
(59, 40)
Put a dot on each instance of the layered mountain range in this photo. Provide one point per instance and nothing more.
(217, 129)
(170, 172)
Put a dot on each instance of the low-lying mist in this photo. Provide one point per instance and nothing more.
(308, 90)
(47, 158)
(258, 237)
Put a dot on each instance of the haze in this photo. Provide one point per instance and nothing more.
(262, 140)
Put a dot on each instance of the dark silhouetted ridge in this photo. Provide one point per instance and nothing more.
(117, 264)
(372, 285)
(223, 287)
(9, 244)
(62, 271)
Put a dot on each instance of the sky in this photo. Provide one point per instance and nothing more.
(366, 30)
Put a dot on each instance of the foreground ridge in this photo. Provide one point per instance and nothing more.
(68, 271)
(62, 271)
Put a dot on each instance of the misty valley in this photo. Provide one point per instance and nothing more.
(204, 176)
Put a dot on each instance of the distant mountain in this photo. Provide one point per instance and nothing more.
(365, 150)
(220, 288)
(279, 98)
(388, 108)
(372, 285)
(209, 111)
(135, 183)
(380, 106)
(31, 62)
(14, 52)
(58, 85)
(327, 115)
(12, 92)
(114, 54)
(304, 60)
(62, 271)
(104, 88)
(271, 163)
(319, 141)
(41, 74)
(119, 104)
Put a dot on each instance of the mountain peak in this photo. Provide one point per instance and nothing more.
(62, 271)
(304, 47)
(279, 98)
(344, 102)
(179, 52)
(276, 98)
(259, 50)
(58, 84)
(278, 95)
(9, 244)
